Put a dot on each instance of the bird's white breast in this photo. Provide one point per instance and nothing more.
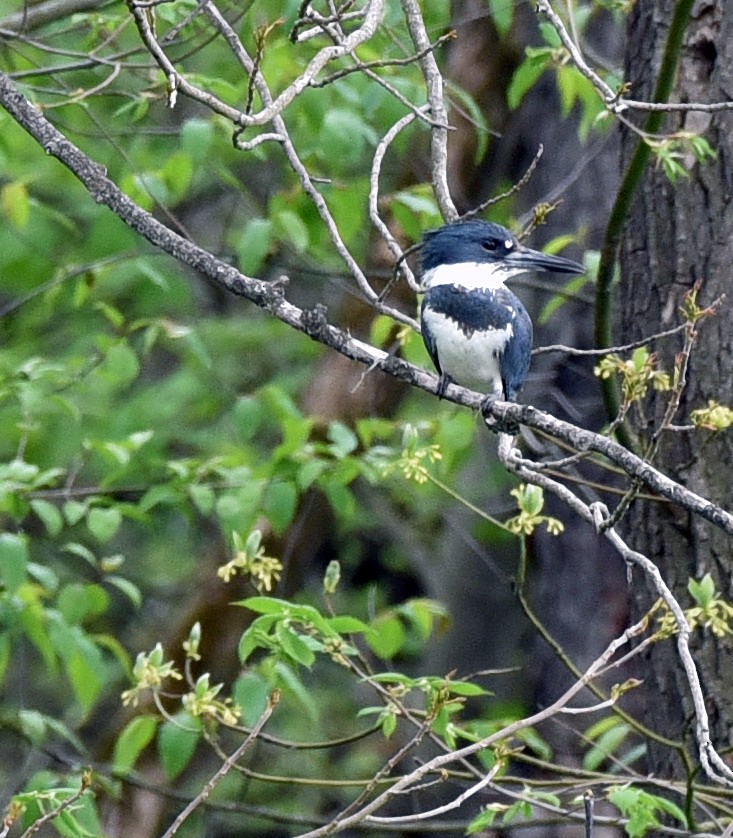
(470, 361)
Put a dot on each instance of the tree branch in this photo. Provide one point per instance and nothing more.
(596, 514)
(313, 322)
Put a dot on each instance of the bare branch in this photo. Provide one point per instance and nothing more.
(597, 515)
(282, 133)
(440, 810)
(615, 101)
(372, 15)
(270, 296)
(84, 785)
(436, 763)
(383, 229)
(571, 350)
(360, 66)
(33, 16)
(520, 184)
(224, 768)
(439, 135)
(609, 96)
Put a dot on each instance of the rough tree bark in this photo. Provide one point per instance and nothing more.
(675, 235)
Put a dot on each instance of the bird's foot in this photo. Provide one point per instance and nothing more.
(443, 383)
(493, 423)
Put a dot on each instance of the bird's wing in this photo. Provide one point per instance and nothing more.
(428, 340)
(514, 361)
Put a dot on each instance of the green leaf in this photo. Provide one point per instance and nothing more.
(248, 416)
(294, 646)
(196, 137)
(49, 515)
(641, 809)
(309, 472)
(343, 440)
(703, 591)
(74, 511)
(265, 604)
(535, 742)
(104, 523)
(279, 503)
(466, 688)
(571, 287)
(502, 13)
(15, 203)
(83, 552)
(389, 724)
(78, 601)
(525, 76)
(86, 673)
(256, 636)
(288, 679)
(176, 173)
(344, 137)
(345, 624)
(387, 636)
(482, 821)
(33, 725)
(13, 560)
(177, 740)
(254, 244)
(341, 498)
(251, 692)
(606, 745)
(34, 620)
(203, 498)
(162, 494)
(44, 575)
(422, 613)
(135, 736)
(120, 365)
(549, 35)
(292, 229)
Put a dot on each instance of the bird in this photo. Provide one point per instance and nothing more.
(476, 331)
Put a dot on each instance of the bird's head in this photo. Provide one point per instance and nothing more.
(483, 242)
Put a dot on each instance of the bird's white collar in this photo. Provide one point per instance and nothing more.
(473, 276)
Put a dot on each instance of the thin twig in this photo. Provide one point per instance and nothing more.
(224, 769)
(373, 12)
(520, 184)
(383, 229)
(300, 170)
(439, 810)
(626, 347)
(360, 66)
(84, 784)
(596, 514)
(436, 763)
(609, 96)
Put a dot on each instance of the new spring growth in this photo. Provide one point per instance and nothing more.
(149, 673)
(530, 500)
(250, 559)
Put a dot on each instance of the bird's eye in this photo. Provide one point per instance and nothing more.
(489, 244)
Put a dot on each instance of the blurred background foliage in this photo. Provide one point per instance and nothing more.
(152, 425)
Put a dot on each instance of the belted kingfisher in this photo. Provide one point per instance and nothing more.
(476, 331)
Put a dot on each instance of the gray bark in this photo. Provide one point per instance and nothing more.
(675, 235)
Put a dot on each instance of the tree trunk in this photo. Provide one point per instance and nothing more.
(675, 235)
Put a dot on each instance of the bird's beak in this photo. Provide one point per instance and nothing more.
(525, 259)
